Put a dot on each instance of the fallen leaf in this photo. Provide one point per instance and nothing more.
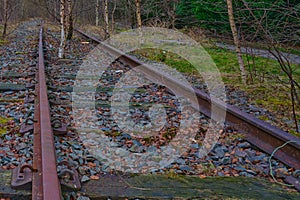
(202, 176)
(93, 177)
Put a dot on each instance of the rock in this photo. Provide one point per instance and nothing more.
(90, 158)
(137, 149)
(152, 149)
(221, 174)
(246, 174)
(258, 159)
(105, 129)
(219, 151)
(241, 154)
(85, 179)
(226, 160)
(21, 146)
(244, 145)
(81, 170)
(250, 153)
(180, 161)
(10, 153)
(74, 156)
(77, 146)
(186, 168)
(240, 168)
(251, 172)
(135, 142)
(215, 158)
(195, 146)
(92, 172)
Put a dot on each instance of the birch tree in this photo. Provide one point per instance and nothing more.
(62, 30)
(284, 62)
(113, 17)
(236, 41)
(106, 19)
(97, 13)
(138, 14)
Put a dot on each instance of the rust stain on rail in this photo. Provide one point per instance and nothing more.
(46, 184)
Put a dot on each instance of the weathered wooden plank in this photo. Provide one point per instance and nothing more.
(167, 187)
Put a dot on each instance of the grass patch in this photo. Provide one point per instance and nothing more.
(168, 58)
(264, 91)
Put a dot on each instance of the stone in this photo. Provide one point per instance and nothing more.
(85, 179)
(226, 160)
(186, 168)
(136, 149)
(244, 145)
(240, 153)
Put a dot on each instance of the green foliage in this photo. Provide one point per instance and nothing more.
(255, 19)
(209, 14)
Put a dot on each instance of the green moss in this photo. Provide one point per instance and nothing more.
(3, 42)
(295, 133)
(11, 100)
(236, 136)
(3, 131)
(21, 53)
(4, 120)
(3, 125)
(264, 118)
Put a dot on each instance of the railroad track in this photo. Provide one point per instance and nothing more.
(42, 173)
(270, 139)
(43, 176)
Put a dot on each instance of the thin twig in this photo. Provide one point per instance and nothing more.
(270, 164)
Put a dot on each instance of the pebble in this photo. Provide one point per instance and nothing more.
(85, 179)
(244, 145)
(186, 168)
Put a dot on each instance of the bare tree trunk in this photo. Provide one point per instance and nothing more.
(236, 41)
(294, 99)
(22, 10)
(113, 17)
(5, 17)
(138, 13)
(97, 13)
(173, 14)
(131, 14)
(70, 20)
(106, 19)
(62, 30)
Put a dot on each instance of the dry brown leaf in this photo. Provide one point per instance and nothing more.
(93, 177)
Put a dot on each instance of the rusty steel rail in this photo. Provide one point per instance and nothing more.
(263, 135)
(45, 182)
